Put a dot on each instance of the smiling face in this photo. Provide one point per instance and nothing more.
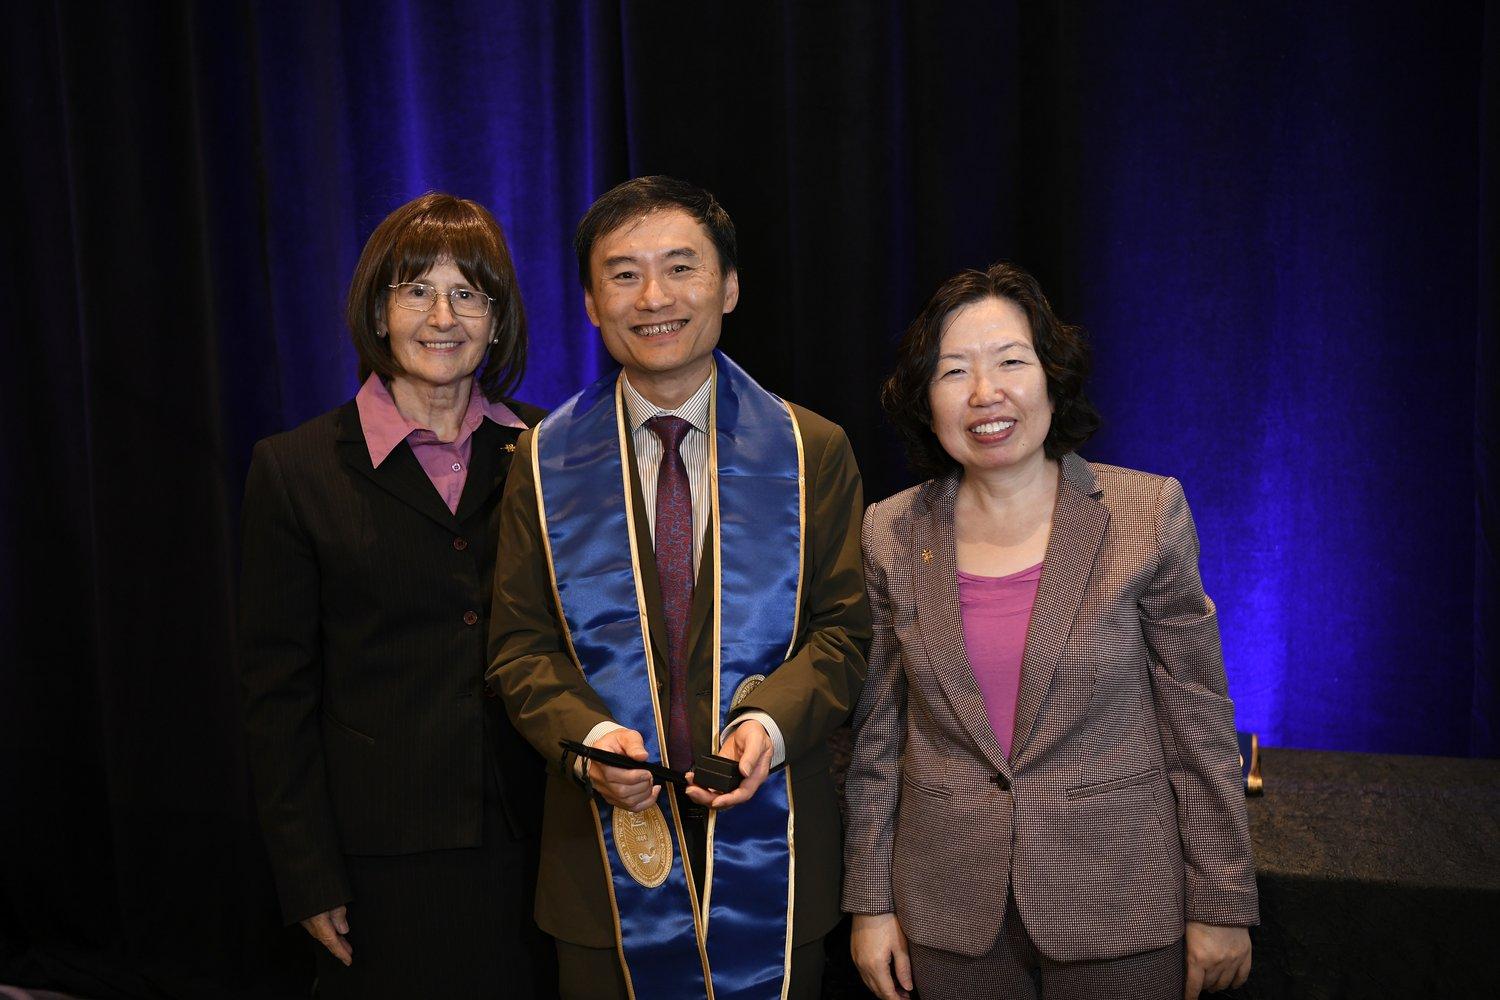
(658, 295)
(990, 408)
(436, 349)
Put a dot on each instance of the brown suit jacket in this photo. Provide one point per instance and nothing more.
(809, 696)
(1121, 811)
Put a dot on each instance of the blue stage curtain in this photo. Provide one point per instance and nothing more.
(1270, 230)
(1484, 738)
(1279, 222)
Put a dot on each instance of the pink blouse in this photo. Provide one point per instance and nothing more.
(996, 611)
(445, 462)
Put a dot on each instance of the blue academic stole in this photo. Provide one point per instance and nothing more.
(741, 949)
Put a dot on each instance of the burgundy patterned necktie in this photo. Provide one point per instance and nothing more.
(674, 568)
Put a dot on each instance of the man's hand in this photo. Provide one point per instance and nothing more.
(877, 943)
(329, 927)
(751, 745)
(628, 789)
(1218, 958)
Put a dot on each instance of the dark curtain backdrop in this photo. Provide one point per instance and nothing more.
(1279, 221)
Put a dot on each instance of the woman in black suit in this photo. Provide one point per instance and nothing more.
(399, 807)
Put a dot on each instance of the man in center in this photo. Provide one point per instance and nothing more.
(682, 577)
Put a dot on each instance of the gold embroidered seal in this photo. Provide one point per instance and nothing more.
(742, 692)
(644, 845)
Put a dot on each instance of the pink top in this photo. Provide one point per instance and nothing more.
(996, 611)
(445, 462)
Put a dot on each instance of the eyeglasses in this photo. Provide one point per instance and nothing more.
(419, 297)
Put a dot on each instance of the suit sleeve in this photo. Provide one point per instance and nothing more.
(872, 785)
(281, 674)
(1196, 721)
(812, 694)
(545, 692)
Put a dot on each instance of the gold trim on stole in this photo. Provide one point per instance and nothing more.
(713, 721)
(661, 740)
(609, 882)
(746, 686)
(541, 518)
(791, 806)
(614, 906)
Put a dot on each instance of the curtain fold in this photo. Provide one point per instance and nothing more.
(1484, 730)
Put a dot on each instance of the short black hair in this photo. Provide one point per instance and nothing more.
(644, 195)
(1062, 348)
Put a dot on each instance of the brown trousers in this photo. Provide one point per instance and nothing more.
(1014, 970)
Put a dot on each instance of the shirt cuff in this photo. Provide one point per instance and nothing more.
(580, 764)
(778, 744)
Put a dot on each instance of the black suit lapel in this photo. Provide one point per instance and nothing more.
(400, 475)
(490, 453)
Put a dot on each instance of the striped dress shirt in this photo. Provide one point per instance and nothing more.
(694, 451)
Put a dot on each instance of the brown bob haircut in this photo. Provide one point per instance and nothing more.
(626, 202)
(1062, 349)
(412, 239)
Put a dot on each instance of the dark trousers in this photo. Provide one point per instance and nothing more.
(1014, 970)
(594, 973)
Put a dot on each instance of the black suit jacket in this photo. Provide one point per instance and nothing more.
(364, 607)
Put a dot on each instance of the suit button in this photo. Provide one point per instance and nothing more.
(460, 543)
(470, 618)
(489, 692)
(1002, 783)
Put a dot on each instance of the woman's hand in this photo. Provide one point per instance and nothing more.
(876, 942)
(1218, 958)
(329, 927)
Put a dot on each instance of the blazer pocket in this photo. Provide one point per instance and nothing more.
(1100, 787)
(349, 730)
(923, 788)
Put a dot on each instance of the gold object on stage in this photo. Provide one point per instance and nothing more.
(1249, 744)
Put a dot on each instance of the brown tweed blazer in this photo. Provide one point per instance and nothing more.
(1120, 813)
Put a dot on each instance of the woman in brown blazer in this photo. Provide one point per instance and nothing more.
(399, 807)
(1044, 793)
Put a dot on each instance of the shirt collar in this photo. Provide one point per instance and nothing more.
(694, 410)
(385, 427)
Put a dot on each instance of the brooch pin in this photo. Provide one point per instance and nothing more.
(927, 555)
(510, 447)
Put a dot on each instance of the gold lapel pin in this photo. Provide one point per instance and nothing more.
(927, 555)
(510, 447)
